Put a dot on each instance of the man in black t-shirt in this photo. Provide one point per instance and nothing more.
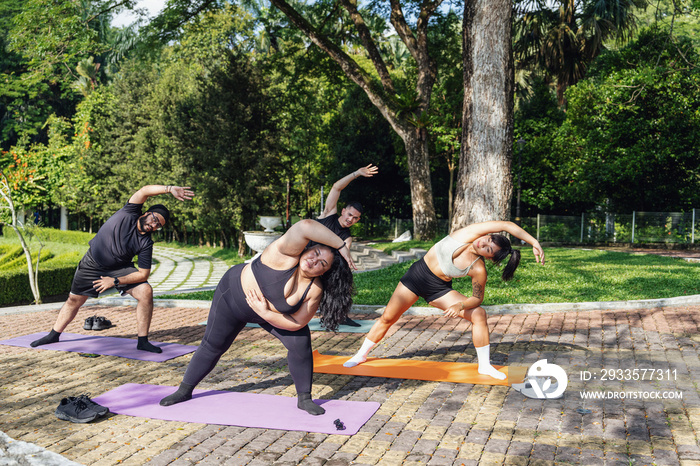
(108, 262)
(350, 214)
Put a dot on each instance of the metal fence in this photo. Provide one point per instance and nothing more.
(590, 227)
(637, 227)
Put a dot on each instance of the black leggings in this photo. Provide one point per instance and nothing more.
(228, 315)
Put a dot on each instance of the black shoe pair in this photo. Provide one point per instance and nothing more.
(96, 323)
(80, 409)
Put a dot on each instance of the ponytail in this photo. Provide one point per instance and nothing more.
(513, 262)
(505, 249)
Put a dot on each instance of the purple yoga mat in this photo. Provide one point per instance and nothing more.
(237, 409)
(107, 346)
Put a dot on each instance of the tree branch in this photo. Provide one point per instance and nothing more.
(417, 45)
(351, 69)
(370, 46)
(108, 9)
(404, 32)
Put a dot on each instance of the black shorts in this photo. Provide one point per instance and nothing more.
(421, 281)
(88, 271)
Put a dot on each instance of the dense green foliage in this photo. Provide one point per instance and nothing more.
(680, 16)
(633, 129)
(42, 43)
(232, 101)
(252, 133)
(629, 136)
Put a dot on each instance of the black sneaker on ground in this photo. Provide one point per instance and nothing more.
(351, 323)
(89, 322)
(101, 323)
(98, 408)
(74, 410)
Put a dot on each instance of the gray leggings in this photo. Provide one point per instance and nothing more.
(228, 315)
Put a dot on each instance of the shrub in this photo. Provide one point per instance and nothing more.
(59, 236)
(20, 262)
(55, 277)
(9, 252)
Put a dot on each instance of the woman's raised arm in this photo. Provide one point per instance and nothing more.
(295, 240)
(477, 230)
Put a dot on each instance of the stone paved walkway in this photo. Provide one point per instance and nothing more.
(646, 422)
(177, 270)
(418, 423)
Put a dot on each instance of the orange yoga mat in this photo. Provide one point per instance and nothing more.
(458, 372)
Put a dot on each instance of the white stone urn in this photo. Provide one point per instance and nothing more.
(270, 223)
(259, 240)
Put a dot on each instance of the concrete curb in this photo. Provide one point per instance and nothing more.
(426, 311)
(4, 311)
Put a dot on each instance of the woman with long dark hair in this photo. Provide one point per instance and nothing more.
(306, 270)
(459, 254)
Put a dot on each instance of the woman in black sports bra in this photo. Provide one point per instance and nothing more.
(281, 291)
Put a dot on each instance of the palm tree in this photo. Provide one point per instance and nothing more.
(87, 81)
(562, 41)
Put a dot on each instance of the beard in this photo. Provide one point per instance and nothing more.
(142, 225)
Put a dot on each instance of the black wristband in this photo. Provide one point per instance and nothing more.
(344, 244)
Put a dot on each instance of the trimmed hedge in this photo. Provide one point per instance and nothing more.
(59, 236)
(21, 261)
(55, 277)
(10, 252)
(55, 273)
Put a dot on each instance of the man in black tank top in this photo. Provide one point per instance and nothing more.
(108, 262)
(350, 214)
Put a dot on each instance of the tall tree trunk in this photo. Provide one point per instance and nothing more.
(484, 184)
(450, 193)
(223, 242)
(241, 244)
(424, 219)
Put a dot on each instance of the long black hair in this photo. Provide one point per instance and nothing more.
(338, 288)
(505, 248)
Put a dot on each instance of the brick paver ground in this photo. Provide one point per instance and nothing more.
(418, 423)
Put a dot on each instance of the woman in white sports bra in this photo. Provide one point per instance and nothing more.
(457, 255)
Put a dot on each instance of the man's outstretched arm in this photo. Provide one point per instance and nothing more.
(331, 206)
(180, 193)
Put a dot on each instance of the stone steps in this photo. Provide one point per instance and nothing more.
(367, 258)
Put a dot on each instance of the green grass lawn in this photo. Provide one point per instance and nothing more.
(570, 275)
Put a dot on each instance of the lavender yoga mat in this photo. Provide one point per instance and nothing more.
(107, 346)
(237, 409)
